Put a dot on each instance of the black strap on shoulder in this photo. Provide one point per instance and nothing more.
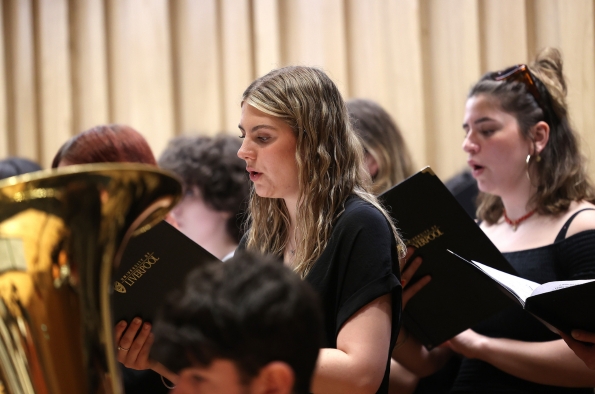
(564, 230)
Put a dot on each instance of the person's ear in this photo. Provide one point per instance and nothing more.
(276, 377)
(172, 220)
(540, 135)
(372, 165)
(225, 215)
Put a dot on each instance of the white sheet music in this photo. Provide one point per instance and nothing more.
(552, 286)
(522, 288)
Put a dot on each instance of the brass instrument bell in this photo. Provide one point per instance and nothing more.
(62, 233)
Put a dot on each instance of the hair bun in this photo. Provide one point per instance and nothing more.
(548, 66)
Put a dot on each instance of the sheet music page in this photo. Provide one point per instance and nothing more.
(522, 288)
(553, 286)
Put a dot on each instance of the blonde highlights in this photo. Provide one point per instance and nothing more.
(329, 160)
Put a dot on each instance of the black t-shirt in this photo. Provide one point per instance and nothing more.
(359, 264)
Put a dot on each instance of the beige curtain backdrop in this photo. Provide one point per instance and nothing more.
(180, 66)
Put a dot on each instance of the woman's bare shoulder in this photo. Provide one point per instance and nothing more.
(583, 221)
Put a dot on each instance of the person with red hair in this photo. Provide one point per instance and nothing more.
(105, 144)
(116, 143)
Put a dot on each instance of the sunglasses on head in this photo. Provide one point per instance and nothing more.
(521, 73)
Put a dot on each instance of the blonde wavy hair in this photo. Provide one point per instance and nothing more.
(560, 176)
(382, 140)
(329, 160)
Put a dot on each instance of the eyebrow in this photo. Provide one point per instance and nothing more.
(258, 127)
(480, 120)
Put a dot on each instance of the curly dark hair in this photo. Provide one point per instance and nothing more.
(250, 310)
(211, 164)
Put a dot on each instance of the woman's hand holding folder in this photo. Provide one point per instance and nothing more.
(408, 351)
(133, 345)
(408, 269)
(581, 344)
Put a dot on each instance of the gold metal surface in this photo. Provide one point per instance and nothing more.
(62, 233)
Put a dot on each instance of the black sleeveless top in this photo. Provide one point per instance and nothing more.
(569, 258)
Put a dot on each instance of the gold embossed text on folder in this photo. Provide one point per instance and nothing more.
(136, 272)
(425, 237)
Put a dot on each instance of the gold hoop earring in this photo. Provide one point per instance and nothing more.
(527, 160)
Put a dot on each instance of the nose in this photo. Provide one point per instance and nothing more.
(469, 144)
(245, 152)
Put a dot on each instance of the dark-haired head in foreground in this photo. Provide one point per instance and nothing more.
(249, 325)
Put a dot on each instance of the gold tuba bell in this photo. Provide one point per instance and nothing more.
(62, 233)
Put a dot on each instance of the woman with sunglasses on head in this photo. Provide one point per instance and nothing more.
(312, 207)
(536, 205)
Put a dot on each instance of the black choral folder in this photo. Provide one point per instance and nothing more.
(458, 297)
(153, 264)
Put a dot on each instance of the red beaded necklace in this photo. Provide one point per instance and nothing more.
(515, 223)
